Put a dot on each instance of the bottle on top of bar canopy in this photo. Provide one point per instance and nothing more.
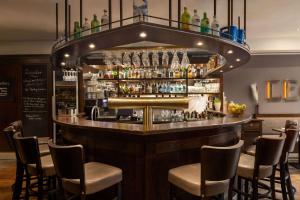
(140, 10)
(77, 30)
(215, 27)
(185, 19)
(196, 21)
(205, 24)
(95, 24)
(86, 26)
(105, 21)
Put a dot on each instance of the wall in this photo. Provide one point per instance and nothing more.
(237, 87)
(11, 68)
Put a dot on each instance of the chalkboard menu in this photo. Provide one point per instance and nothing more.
(35, 100)
(6, 90)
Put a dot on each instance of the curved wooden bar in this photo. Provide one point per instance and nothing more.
(146, 156)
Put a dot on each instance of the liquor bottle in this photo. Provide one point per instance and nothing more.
(105, 21)
(196, 21)
(77, 30)
(215, 27)
(95, 25)
(205, 24)
(140, 10)
(86, 26)
(185, 19)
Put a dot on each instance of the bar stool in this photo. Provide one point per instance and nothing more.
(260, 166)
(18, 126)
(213, 176)
(35, 165)
(79, 178)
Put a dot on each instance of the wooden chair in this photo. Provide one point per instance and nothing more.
(35, 165)
(262, 165)
(213, 176)
(79, 178)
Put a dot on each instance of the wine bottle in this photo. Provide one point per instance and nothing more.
(86, 26)
(77, 30)
(95, 24)
(105, 21)
(215, 27)
(185, 19)
(205, 24)
(196, 21)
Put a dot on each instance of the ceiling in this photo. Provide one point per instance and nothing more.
(272, 26)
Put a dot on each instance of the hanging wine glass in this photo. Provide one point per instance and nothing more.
(155, 59)
(185, 62)
(145, 59)
(175, 61)
(136, 59)
(165, 59)
(108, 58)
(126, 59)
(117, 58)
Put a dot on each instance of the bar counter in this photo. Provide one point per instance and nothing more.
(145, 156)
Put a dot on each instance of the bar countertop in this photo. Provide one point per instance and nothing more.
(216, 122)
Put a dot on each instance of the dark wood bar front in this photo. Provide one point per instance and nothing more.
(146, 156)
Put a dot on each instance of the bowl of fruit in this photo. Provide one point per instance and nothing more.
(235, 109)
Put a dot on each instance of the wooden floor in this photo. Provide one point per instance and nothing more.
(7, 173)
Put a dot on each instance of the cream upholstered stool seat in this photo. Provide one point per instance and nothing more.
(210, 178)
(247, 165)
(188, 178)
(98, 176)
(84, 178)
(46, 164)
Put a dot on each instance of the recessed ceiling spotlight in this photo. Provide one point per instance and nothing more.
(67, 55)
(63, 64)
(92, 46)
(221, 71)
(143, 34)
(200, 43)
(231, 66)
(238, 60)
(230, 51)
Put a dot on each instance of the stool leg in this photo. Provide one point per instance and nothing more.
(27, 186)
(171, 192)
(246, 186)
(40, 187)
(17, 190)
(289, 184)
(283, 182)
(272, 184)
(255, 189)
(230, 191)
(239, 187)
(120, 191)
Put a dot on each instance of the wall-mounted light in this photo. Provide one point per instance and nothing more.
(67, 55)
(92, 46)
(63, 64)
(143, 34)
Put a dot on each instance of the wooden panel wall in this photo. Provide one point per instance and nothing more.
(11, 68)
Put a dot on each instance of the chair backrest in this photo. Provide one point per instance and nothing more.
(289, 144)
(28, 149)
(68, 160)
(9, 135)
(219, 163)
(269, 150)
(291, 124)
(17, 126)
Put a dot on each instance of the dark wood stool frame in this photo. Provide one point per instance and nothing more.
(227, 157)
(28, 152)
(74, 154)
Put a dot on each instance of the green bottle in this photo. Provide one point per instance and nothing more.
(185, 19)
(95, 24)
(205, 24)
(77, 30)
